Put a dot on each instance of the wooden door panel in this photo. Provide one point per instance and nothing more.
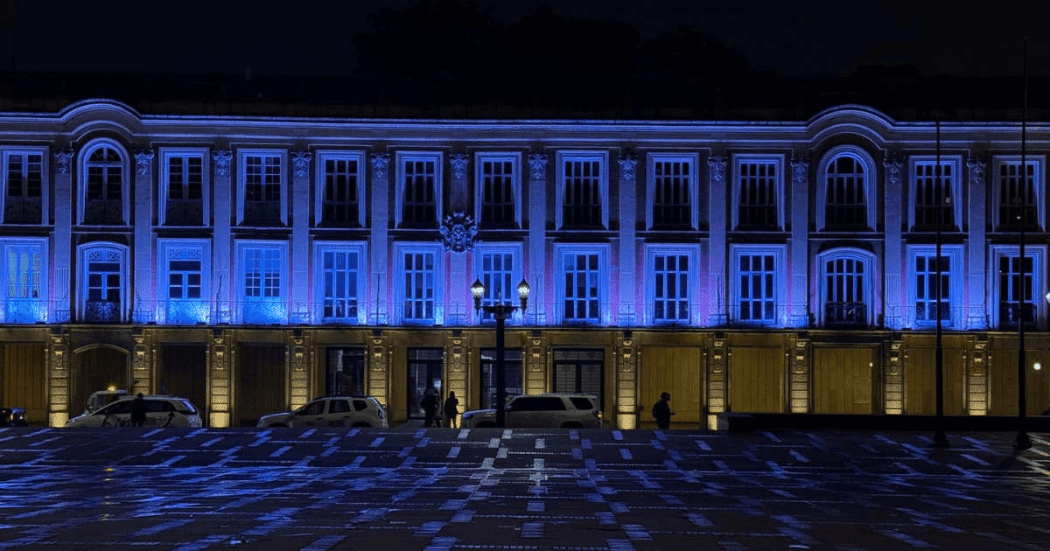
(23, 381)
(261, 387)
(677, 371)
(756, 380)
(842, 380)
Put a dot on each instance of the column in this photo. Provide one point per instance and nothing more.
(58, 378)
(143, 293)
(62, 253)
(716, 258)
(458, 231)
(631, 295)
(893, 261)
(797, 310)
(976, 302)
(300, 283)
(221, 360)
(379, 298)
(222, 261)
(540, 301)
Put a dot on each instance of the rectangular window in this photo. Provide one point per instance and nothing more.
(340, 273)
(673, 193)
(582, 197)
(758, 183)
(512, 374)
(419, 293)
(345, 371)
(184, 279)
(24, 271)
(580, 370)
(844, 292)
(263, 281)
(581, 287)
(263, 181)
(24, 180)
(262, 273)
(1016, 293)
(1018, 194)
(932, 292)
(933, 194)
(670, 288)
(184, 201)
(341, 207)
(419, 188)
(757, 288)
(497, 274)
(184, 267)
(497, 180)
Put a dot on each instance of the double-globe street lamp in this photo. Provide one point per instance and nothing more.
(500, 312)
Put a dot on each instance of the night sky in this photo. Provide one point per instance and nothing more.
(815, 39)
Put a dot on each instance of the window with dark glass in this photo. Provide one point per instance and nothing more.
(671, 288)
(420, 188)
(844, 292)
(341, 203)
(103, 198)
(512, 374)
(758, 194)
(262, 189)
(932, 292)
(497, 189)
(933, 194)
(1016, 294)
(582, 203)
(757, 290)
(185, 201)
(1017, 195)
(23, 203)
(845, 194)
(672, 205)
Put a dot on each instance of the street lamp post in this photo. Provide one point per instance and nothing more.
(500, 312)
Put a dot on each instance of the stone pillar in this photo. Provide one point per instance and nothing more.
(221, 362)
(798, 250)
(143, 290)
(460, 273)
(302, 310)
(299, 369)
(378, 359)
(536, 362)
(142, 362)
(631, 295)
(456, 376)
(977, 377)
(976, 268)
(61, 286)
(222, 254)
(893, 258)
(540, 301)
(627, 406)
(893, 377)
(717, 378)
(798, 377)
(379, 298)
(716, 258)
(58, 378)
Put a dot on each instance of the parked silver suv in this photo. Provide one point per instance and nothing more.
(548, 411)
(331, 411)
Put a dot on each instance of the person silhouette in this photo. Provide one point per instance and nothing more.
(451, 409)
(662, 411)
(138, 411)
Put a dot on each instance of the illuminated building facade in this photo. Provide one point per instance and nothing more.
(250, 263)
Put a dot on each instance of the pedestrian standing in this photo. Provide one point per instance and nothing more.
(430, 405)
(138, 411)
(451, 409)
(662, 411)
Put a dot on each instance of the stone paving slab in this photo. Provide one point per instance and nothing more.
(444, 489)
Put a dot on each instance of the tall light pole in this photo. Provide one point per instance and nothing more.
(500, 312)
(939, 438)
(1023, 442)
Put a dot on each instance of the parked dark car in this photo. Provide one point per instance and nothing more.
(13, 417)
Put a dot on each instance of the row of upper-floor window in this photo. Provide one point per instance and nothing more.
(846, 190)
(674, 288)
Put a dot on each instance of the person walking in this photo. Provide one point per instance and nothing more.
(138, 411)
(662, 411)
(430, 405)
(451, 409)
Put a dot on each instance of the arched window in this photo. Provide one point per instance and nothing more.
(846, 194)
(103, 190)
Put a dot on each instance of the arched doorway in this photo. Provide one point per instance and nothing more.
(96, 367)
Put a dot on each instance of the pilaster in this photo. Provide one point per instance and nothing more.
(222, 255)
(143, 290)
(63, 253)
(536, 363)
(893, 259)
(627, 407)
(456, 374)
(221, 360)
(536, 195)
(631, 295)
(300, 359)
(379, 283)
(718, 360)
(976, 301)
(378, 362)
(893, 376)
(798, 288)
(58, 378)
(977, 376)
(799, 379)
(142, 362)
(300, 281)
(716, 257)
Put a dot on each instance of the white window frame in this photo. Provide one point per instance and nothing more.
(120, 254)
(403, 157)
(955, 161)
(482, 157)
(82, 181)
(690, 159)
(779, 253)
(603, 182)
(561, 251)
(37, 305)
(400, 249)
(1039, 280)
(692, 293)
(740, 159)
(319, 184)
(870, 193)
(322, 247)
(1039, 161)
(174, 249)
(166, 154)
(516, 250)
(867, 258)
(281, 302)
(242, 173)
(956, 290)
(45, 187)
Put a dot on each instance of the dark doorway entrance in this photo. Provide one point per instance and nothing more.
(345, 371)
(424, 371)
(580, 370)
(512, 359)
(98, 368)
(184, 372)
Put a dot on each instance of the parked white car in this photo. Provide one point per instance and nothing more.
(161, 411)
(548, 411)
(331, 411)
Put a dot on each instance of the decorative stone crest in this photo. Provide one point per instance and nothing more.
(379, 164)
(458, 231)
(799, 169)
(976, 166)
(627, 167)
(717, 164)
(222, 159)
(144, 162)
(538, 166)
(63, 157)
(893, 166)
(301, 162)
(459, 166)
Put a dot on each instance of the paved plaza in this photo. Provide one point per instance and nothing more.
(448, 489)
